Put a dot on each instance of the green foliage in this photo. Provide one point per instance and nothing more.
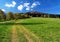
(24, 15)
(20, 16)
(9, 16)
(1, 17)
(17, 16)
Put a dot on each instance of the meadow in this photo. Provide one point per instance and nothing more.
(30, 30)
(47, 29)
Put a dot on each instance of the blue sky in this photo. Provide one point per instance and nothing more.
(46, 6)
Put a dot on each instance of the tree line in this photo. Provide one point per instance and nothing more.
(44, 15)
(12, 16)
(15, 16)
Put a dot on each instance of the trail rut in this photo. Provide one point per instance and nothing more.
(14, 35)
(26, 31)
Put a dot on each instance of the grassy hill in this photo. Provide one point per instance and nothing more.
(46, 28)
(31, 30)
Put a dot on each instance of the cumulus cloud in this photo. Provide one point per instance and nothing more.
(3, 9)
(20, 7)
(27, 8)
(35, 4)
(26, 5)
(11, 5)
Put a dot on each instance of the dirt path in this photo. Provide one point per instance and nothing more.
(15, 38)
(32, 34)
(26, 32)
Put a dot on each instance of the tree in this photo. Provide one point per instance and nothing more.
(9, 16)
(17, 16)
(2, 15)
(25, 16)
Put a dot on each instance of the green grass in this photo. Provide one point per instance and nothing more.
(47, 29)
(21, 36)
(5, 33)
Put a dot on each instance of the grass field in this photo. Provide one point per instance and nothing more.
(30, 30)
(46, 28)
(5, 33)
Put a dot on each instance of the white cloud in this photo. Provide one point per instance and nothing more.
(27, 8)
(11, 5)
(13, 2)
(35, 4)
(26, 5)
(20, 7)
(3, 9)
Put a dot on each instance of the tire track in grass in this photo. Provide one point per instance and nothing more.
(15, 38)
(25, 34)
(28, 34)
(21, 36)
(33, 35)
